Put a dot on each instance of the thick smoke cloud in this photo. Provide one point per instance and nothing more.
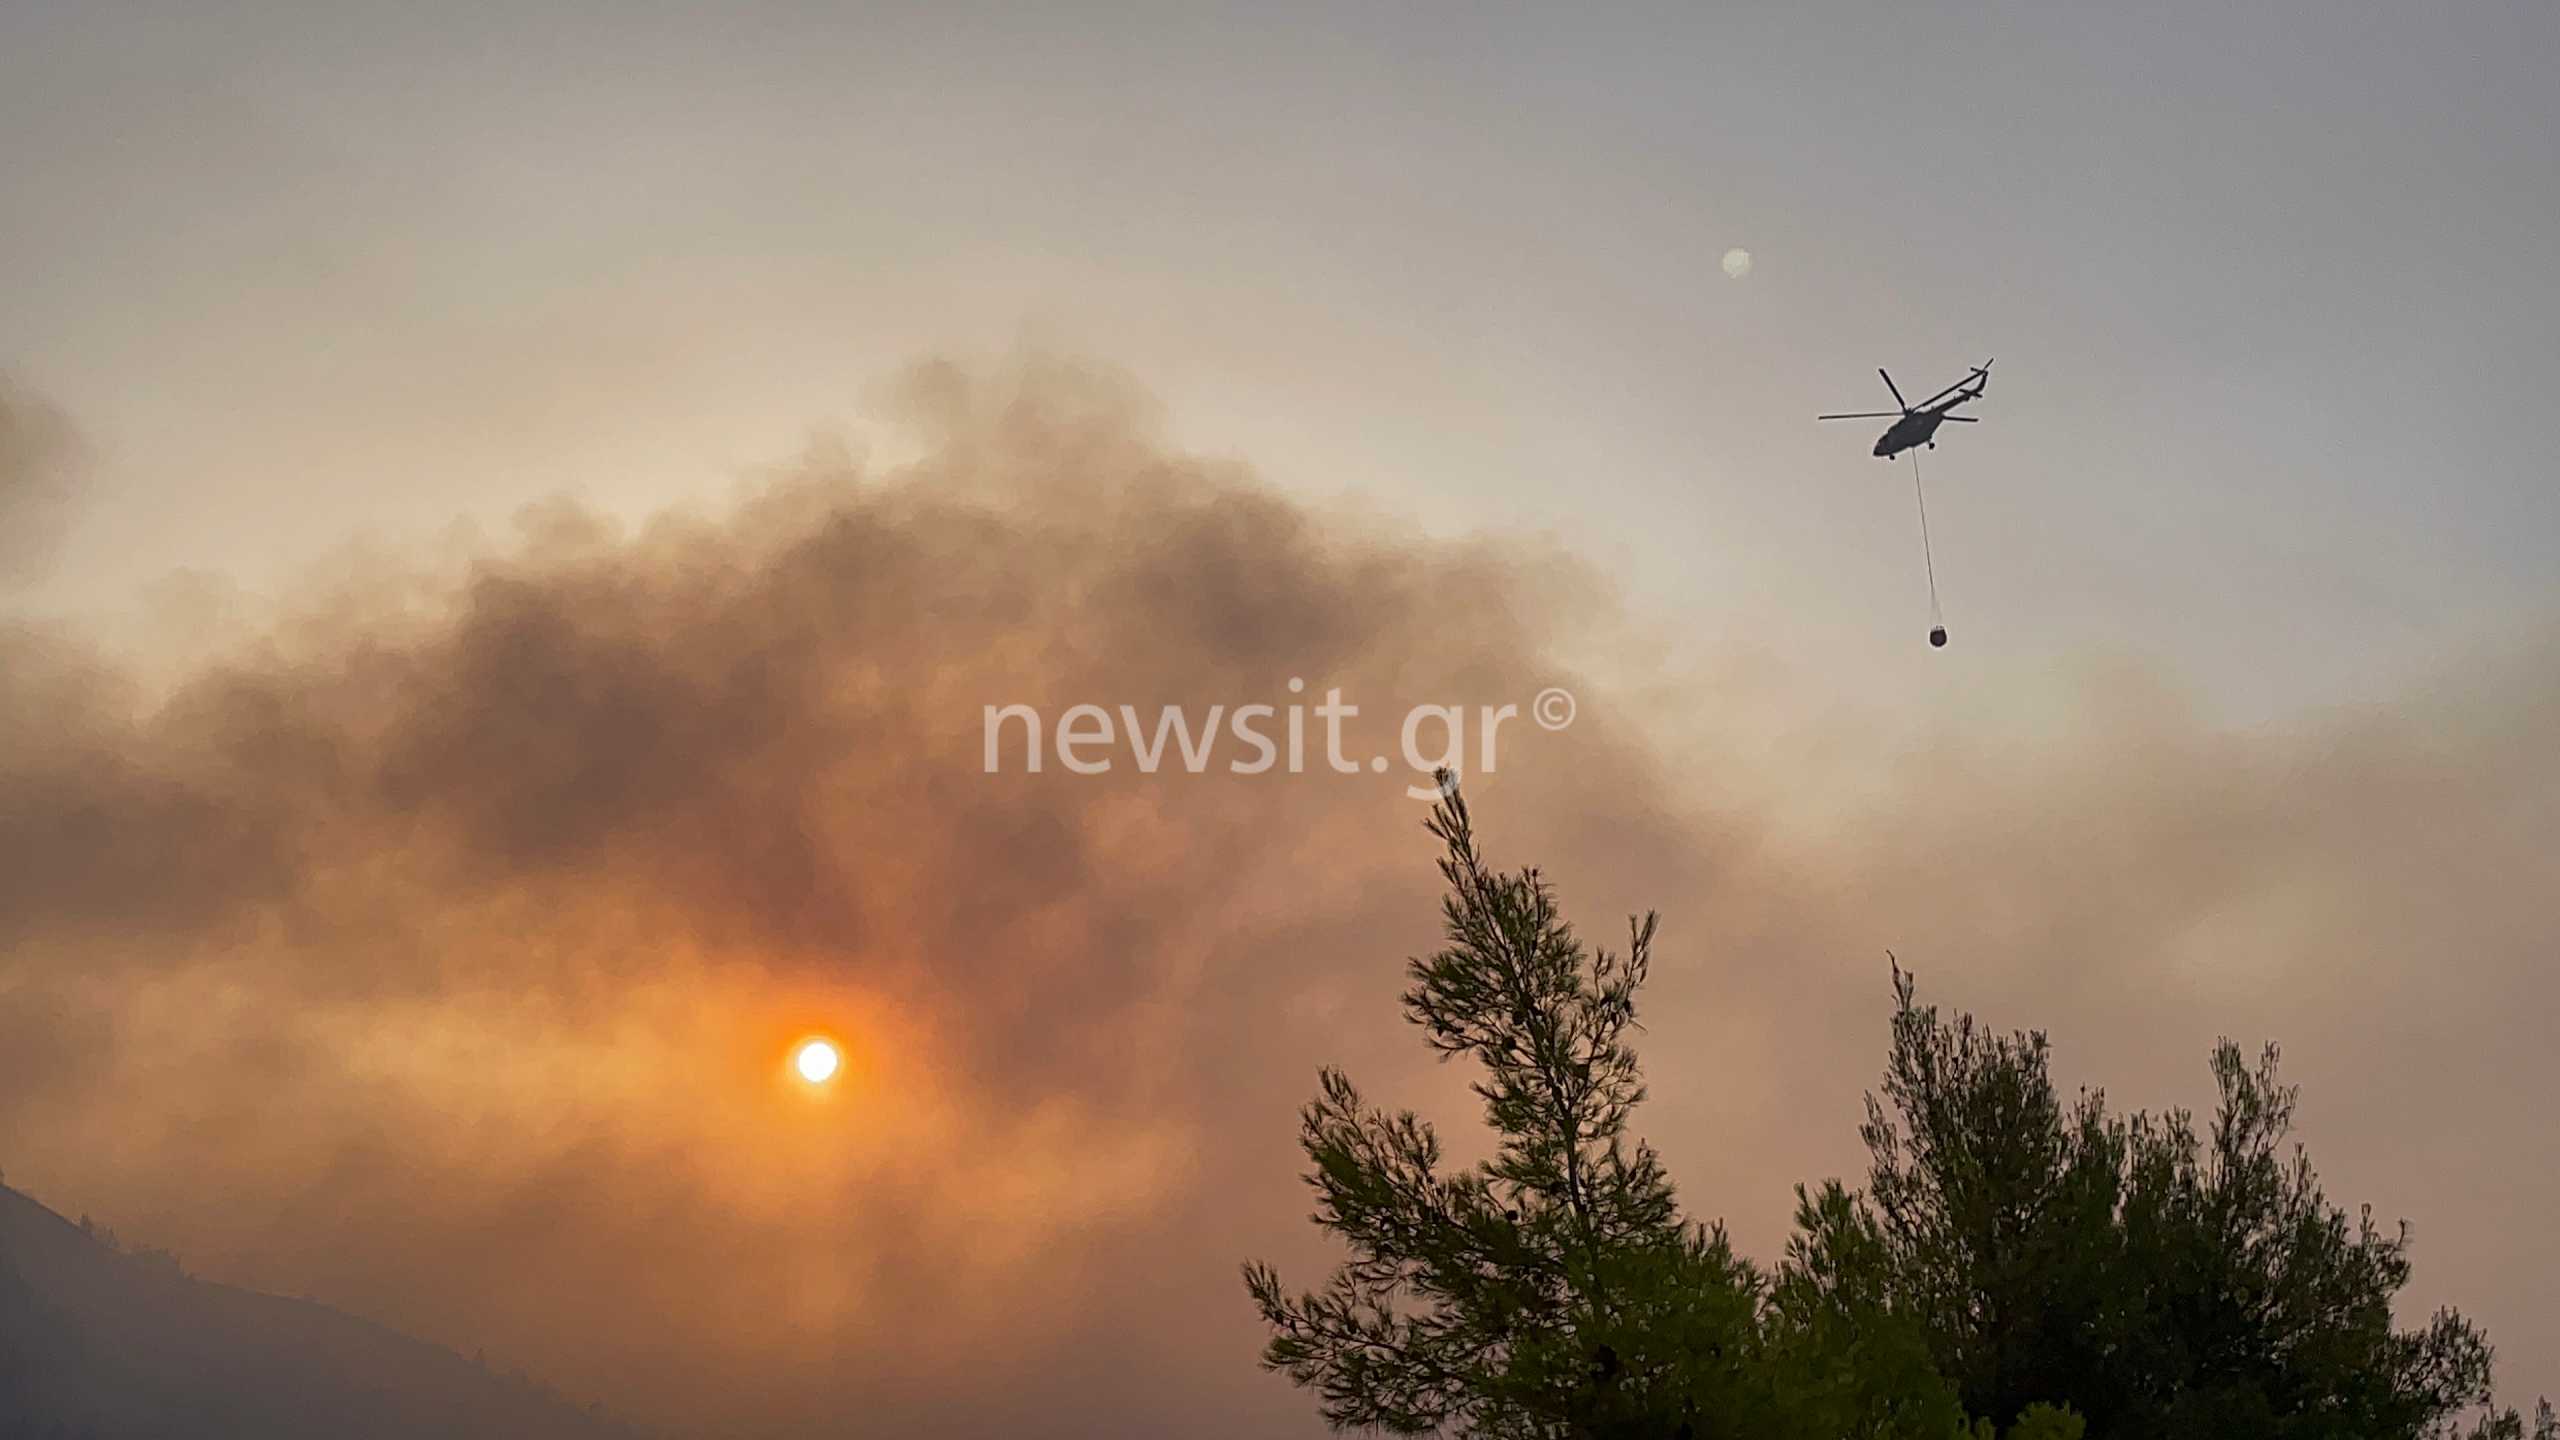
(440, 961)
(437, 955)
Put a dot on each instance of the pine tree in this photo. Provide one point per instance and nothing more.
(2165, 1280)
(1554, 1291)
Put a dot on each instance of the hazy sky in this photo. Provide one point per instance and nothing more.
(2244, 727)
(2270, 284)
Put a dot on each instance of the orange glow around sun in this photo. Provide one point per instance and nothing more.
(816, 1061)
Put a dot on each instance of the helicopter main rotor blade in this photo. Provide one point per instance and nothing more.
(1896, 389)
(1963, 419)
(1864, 415)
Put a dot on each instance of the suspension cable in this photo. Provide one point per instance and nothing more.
(1937, 618)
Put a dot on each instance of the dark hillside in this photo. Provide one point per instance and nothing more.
(98, 1343)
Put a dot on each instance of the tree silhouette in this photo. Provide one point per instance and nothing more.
(1554, 1289)
(2163, 1281)
(2017, 1265)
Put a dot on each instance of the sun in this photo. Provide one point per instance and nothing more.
(816, 1060)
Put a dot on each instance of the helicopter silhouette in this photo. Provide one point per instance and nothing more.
(1915, 425)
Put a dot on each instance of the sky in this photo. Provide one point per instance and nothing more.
(509, 516)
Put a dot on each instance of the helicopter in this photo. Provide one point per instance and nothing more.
(1915, 426)
(1918, 424)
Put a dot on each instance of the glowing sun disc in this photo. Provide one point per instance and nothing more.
(816, 1061)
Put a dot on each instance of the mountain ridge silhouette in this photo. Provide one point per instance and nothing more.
(98, 1344)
